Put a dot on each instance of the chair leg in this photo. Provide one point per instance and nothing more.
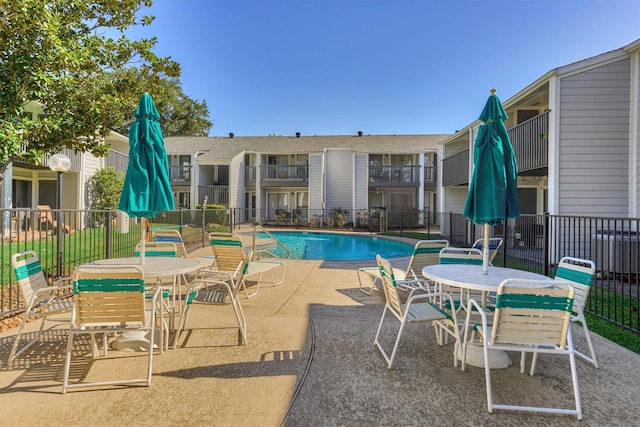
(363, 289)
(375, 340)
(14, 349)
(67, 362)
(574, 379)
(242, 323)
(487, 375)
(184, 314)
(583, 356)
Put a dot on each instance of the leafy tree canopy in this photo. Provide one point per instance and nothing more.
(179, 114)
(61, 54)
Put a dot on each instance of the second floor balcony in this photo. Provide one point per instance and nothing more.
(394, 176)
(530, 145)
(180, 175)
(284, 175)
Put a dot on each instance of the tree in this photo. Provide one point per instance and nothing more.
(58, 53)
(105, 188)
(179, 114)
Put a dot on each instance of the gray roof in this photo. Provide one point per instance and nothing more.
(226, 148)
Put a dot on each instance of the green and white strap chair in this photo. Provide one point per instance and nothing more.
(530, 316)
(214, 287)
(107, 300)
(421, 306)
(495, 243)
(41, 299)
(425, 252)
(580, 273)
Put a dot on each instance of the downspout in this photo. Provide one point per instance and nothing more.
(633, 135)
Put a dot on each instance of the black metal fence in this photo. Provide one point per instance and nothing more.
(66, 238)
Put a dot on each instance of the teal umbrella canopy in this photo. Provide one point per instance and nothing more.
(493, 193)
(147, 188)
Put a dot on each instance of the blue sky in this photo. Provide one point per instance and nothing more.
(334, 67)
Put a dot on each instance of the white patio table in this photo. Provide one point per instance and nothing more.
(470, 277)
(153, 268)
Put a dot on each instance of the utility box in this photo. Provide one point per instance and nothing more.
(616, 252)
(122, 222)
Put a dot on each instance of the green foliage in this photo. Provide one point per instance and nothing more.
(63, 56)
(410, 217)
(179, 114)
(105, 188)
(339, 217)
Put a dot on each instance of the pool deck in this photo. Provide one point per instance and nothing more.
(310, 361)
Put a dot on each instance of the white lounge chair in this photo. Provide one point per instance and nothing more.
(41, 299)
(530, 316)
(421, 306)
(228, 252)
(110, 299)
(425, 252)
(580, 272)
(214, 287)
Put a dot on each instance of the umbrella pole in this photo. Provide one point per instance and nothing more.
(143, 238)
(485, 250)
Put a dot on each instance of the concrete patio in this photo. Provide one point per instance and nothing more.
(310, 361)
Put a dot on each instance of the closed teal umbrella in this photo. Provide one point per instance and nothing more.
(147, 190)
(493, 192)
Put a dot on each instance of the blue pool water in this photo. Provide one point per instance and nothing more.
(334, 246)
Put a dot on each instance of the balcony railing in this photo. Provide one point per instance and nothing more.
(180, 175)
(531, 143)
(430, 177)
(250, 175)
(284, 175)
(394, 176)
(455, 169)
(216, 194)
(117, 160)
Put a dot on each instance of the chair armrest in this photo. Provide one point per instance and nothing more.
(483, 315)
(413, 285)
(51, 289)
(63, 279)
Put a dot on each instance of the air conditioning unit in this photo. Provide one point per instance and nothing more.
(616, 252)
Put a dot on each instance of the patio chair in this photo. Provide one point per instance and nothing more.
(172, 236)
(467, 256)
(580, 272)
(228, 252)
(213, 287)
(41, 299)
(421, 306)
(425, 252)
(530, 316)
(169, 284)
(495, 243)
(110, 299)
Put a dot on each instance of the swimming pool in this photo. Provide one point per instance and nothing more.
(335, 246)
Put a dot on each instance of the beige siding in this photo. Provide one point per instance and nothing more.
(315, 181)
(361, 181)
(594, 141)
(339, 179)
(236, 183)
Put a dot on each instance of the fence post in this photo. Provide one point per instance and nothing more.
(181, 216)
(450, 226)
(545, 246)
(109, 235)
(204, 225)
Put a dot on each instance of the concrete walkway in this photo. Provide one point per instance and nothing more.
(310, 361)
